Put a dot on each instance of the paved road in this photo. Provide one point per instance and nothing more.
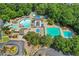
(48, 52)
(19, 44)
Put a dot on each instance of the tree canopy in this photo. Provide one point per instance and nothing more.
(65, 14)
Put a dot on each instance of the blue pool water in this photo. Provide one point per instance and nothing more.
(26, 22)
(7, 24)
(14, 26)
(37, 30)
(54, 31)
(67, 34)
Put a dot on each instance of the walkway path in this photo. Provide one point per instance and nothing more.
(61, 32)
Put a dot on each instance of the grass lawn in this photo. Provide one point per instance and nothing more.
(0, 40)
(4, 39)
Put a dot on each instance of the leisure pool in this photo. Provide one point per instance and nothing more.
(67, 34)
(54, 31)
(14, 26)
(26, 22)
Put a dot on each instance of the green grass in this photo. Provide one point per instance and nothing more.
(4, 39)
(0, 40)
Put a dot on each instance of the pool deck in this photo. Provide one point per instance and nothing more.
(50, 26)
(61, 32)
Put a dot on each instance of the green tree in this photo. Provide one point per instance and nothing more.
(67, 17)
(2, 7)
(5, 18)
(54, 12)
(20, 13)
(32, 37)
(46, 41)
(12, 6)
(26, 8)
(40, 8)
(12, 14)
(64, 45)
(59, 43)
(68, 46)
(76, 26)
(75, 47)
(50, 22)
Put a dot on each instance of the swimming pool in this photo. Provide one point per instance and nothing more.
(67, 34)
(26, 22)
(54, 31)
(14, 26)
(37, 30)
(7, 24)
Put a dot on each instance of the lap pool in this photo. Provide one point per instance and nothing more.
(54, 31)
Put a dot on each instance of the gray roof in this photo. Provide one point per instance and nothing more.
(1, 22)
(48, 52)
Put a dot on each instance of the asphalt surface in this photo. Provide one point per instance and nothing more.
(48, 52)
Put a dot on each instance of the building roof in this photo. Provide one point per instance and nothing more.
(48, 52)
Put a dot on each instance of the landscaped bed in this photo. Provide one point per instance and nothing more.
(10, 49)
